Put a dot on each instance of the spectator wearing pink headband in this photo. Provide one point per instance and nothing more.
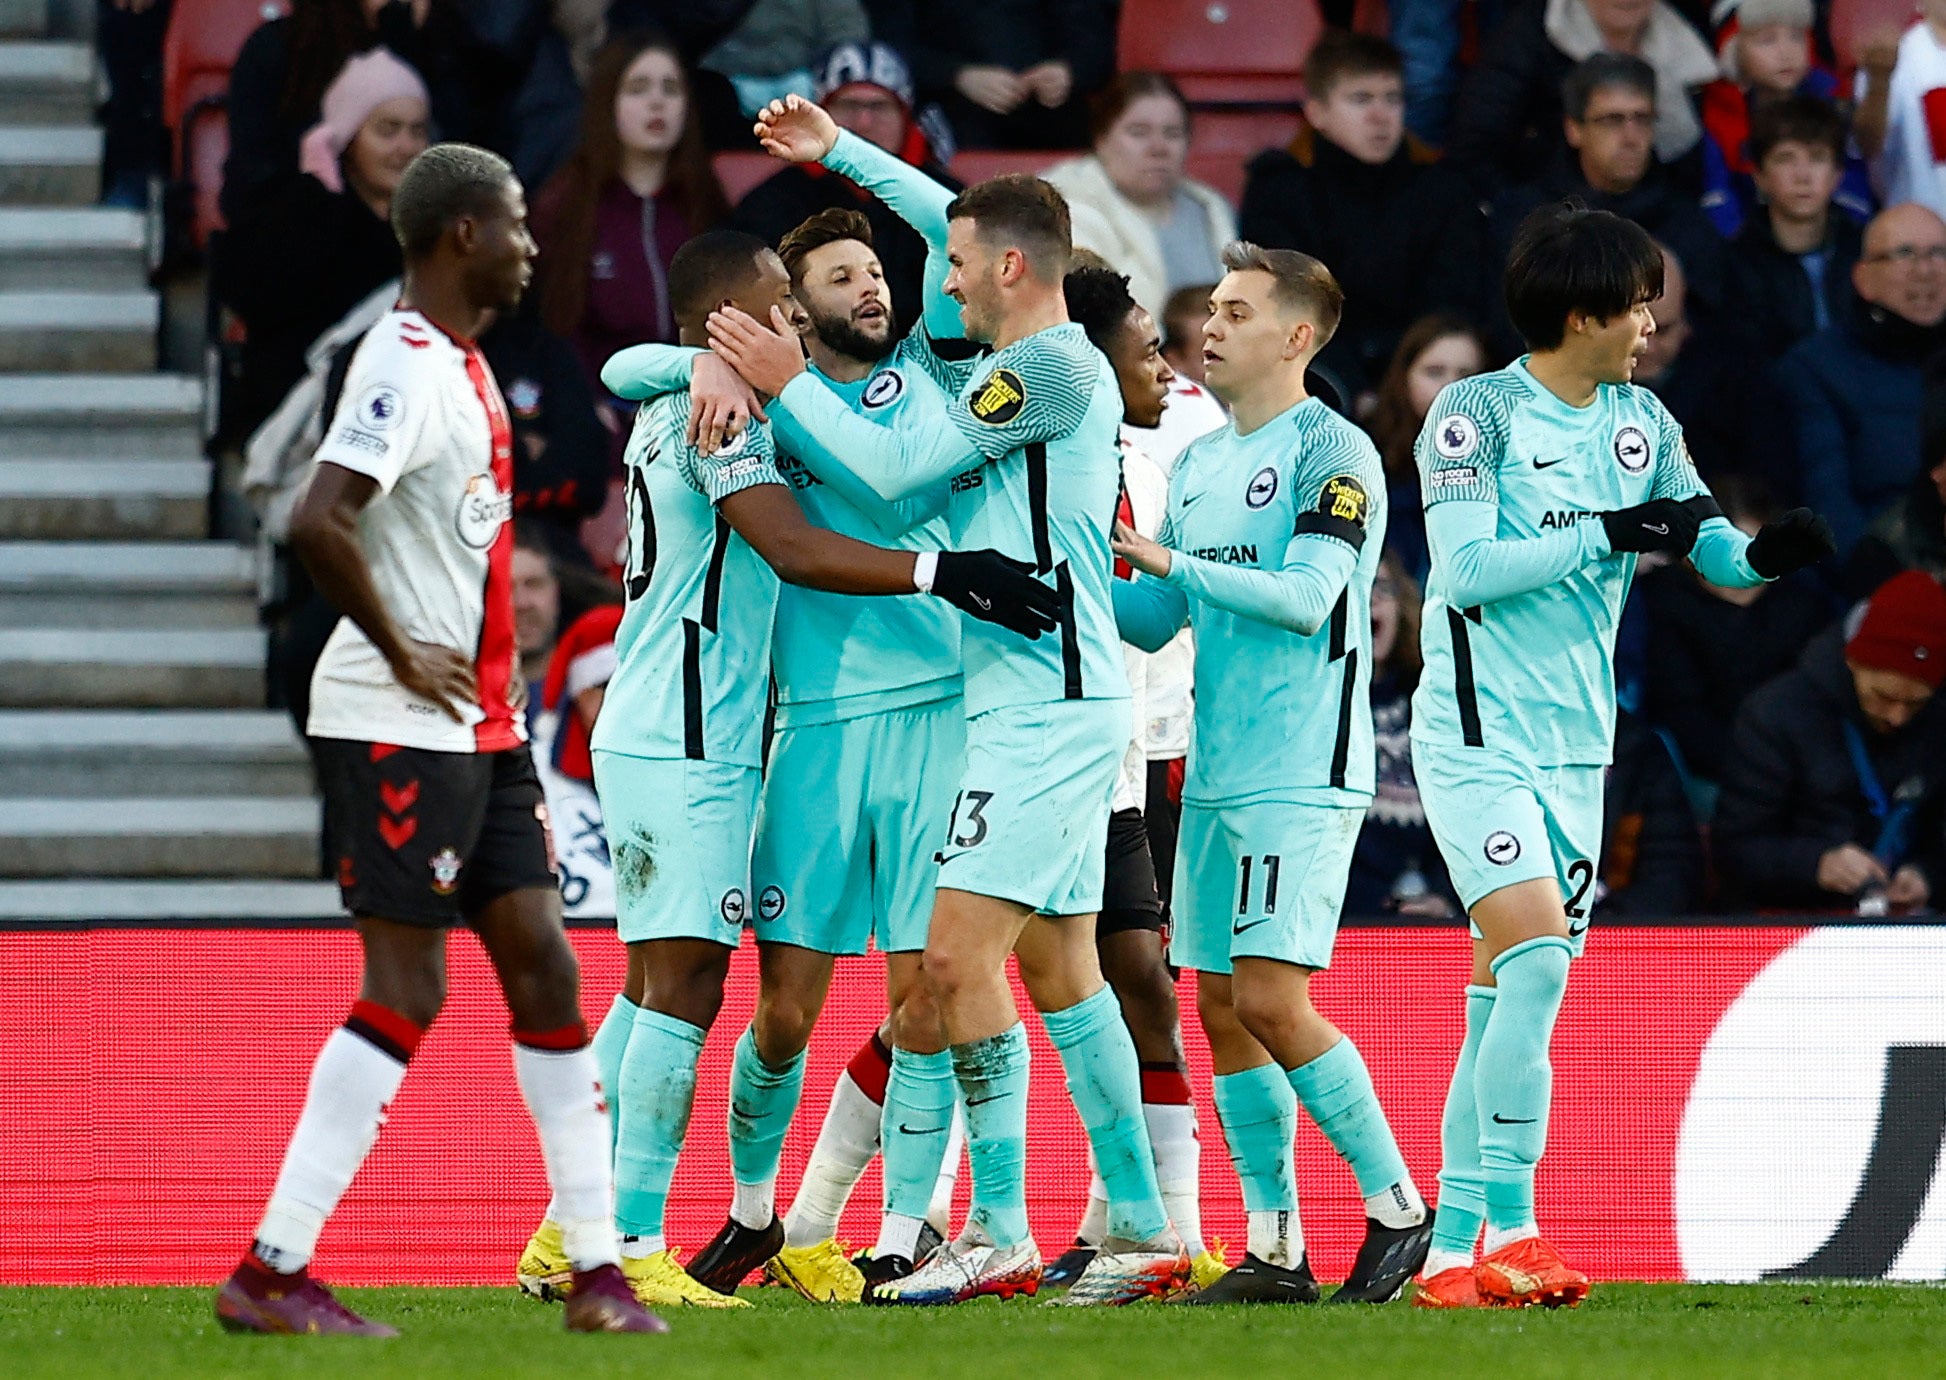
(295, 262)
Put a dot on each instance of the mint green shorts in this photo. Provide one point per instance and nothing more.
(1030, 822)
(1264, 879)
(1498, 821)
(679, 836)
(848, 828)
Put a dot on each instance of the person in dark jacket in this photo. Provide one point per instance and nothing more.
(560, 446)
(1856, 386)
(1709, 647)
(1402, 234)
(1610, 104)
(867, 89)
(1834, 793)
(1791, 263)
(1910, 535)
(1009, 73)
(1651, 850)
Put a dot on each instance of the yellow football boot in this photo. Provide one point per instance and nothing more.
(660, 1281)
(544, 1272)
(1208, 1267)
(821, 1273)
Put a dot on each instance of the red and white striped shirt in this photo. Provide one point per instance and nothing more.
(422, 416)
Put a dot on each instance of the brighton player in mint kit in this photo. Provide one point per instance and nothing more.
(1277, 520)
(1543, 482)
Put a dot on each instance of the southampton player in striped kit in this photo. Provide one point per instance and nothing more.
(1543, 481)
(1277, 521)
(678, 747)
(433, 806)
(1029, 448)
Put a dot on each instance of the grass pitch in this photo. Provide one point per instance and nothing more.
(1880, 1331)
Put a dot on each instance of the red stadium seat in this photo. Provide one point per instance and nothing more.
(1228, 52)
(201, 46)
(977, 165)
(1221, 142)
(739, 172)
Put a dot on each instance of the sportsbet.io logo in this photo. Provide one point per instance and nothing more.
(1502, 848)
(483, 510)
(1000, 398)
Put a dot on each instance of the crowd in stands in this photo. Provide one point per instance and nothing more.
(1783, 746)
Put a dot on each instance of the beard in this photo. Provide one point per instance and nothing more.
(842, 335)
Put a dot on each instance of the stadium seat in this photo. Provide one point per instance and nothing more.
(201, 46)
(739, 172)
(977, 165)
(1851, 20)
(1222, 142)
(1225, 52)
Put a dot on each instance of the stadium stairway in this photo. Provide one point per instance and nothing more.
(140, 776)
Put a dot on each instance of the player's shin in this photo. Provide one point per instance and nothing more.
(992, 1076)
(1513, 1081)
(846, 1143)
(1336, 1089)
(1462, 1187)
(356, 1075)
(763, 1099)
(1259, 1115)
(560, 1081)
(919, 1105)
(1105, 1081)
(657, 1089)
(611, 1039)
(1171, 1118)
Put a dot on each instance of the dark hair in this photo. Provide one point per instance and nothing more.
(711, 268)
(1603, 70)
(1797, 120)
(444, 183)
(1302, 282)
(1407, 661)
(1194, 298)
(1016, 211)
(828, 226)
(1395, 424)
(1341, 56)
(568, 203)
(1099, 302)
(1567, 258)
(322, 35)
(1113, 100)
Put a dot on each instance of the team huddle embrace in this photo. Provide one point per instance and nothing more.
(953, 567)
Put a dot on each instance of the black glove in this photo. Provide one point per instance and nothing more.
(1790, 543)
(997, 589)
(1661, 524)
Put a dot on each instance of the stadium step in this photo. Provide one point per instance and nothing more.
(127, 585)
(101, 416)
(189, 752)
(202, 899)
(49, 165)
(92, 668)
(73, 500)
(47, 84)
(159, 836)
(70, 332)
(72, 249)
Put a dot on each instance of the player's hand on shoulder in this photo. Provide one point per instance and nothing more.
(796, 130)
(439, 674)
(1791, 542)
(1661, 524)
(997, 589)
(721, 404)
(1149, 557)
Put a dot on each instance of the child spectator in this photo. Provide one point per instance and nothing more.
(635, 189)
(1132, 203)
(1790, 264)
(1395, 869)
(1768, 59)
(1434, 351)
(1900, 123)
(328, 218)
(1402, 235)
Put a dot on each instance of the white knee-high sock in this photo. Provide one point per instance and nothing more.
(845, 1146)
(562, 1088)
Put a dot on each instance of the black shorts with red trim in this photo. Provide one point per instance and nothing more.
(430, 838)
(1129, 900)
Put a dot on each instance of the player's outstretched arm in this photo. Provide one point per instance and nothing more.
(894, 465)
(324, 533)
(984, 584)
(1148, 612)
(1298, 596)
(1728, 559)
(800, 131)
